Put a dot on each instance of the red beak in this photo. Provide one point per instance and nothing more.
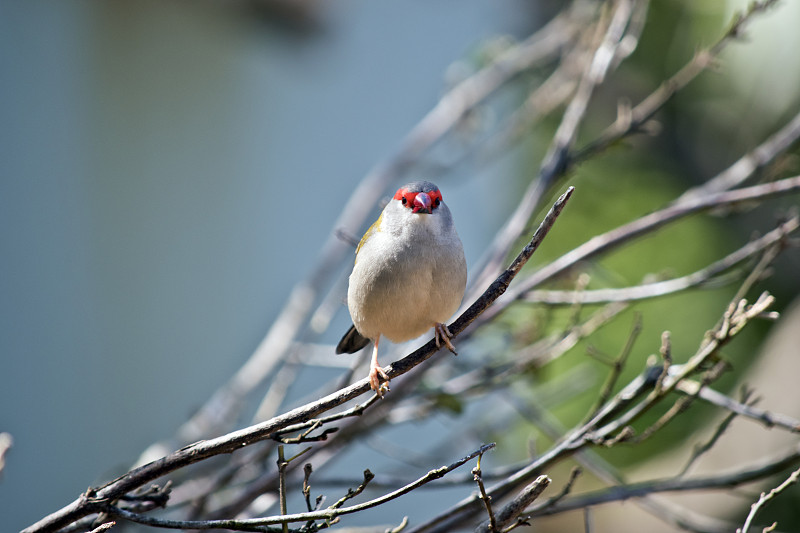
(422, 203)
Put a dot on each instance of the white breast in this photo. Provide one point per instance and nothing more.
(410, 274)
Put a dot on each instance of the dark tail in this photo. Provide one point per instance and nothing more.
(352, 341)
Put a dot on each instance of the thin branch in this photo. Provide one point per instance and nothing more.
(550, 349)
(400, 527)
(764, 498)
(700, 449)
(103, 527)
(516, 506)
(627, 232)
(587, 520)
(307, 470)
(595, 73)
(661, 288)
(738, 313)
(731, 479)
(393, 482)
(487, 500)
(560, 86)
(553, 164)
(666, 357)
(567, 489)
(352, 493)
(688, 386)
(282, 464)
(257, 524)
(618, 364)
(635, 119)
(355, 411)
(750, 163)
(682, 404)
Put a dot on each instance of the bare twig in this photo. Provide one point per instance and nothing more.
(516, 506)
(635, 119)
(700, 449)
(750, 163)
(550, 349)
(307, 470)
(618, 364)
(666, 358)
(573, 477)
(356, 410)
(282, 464)
(661, 288)
(610, 475)
(602, 61)
(487, 500)
(400, 526)
(688, 386)
(681, 404)
(103, 527)
(331, 513)
(561, 85)
(738, 313)
(587, 520)
(553, 164)
(622, 234)
(352, 493)
(730, 479)
(282, 484)
(764, 498)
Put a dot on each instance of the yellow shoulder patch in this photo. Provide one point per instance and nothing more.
(376, 226)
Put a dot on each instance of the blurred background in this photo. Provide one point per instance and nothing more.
(169, 170)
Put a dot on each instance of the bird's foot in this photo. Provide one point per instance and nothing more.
(443, 335)
(378, 379)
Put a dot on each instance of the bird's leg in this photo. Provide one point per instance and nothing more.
(376, 373)
(442, 334)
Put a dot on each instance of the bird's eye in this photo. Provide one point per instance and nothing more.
(436, 202)
(404, 200)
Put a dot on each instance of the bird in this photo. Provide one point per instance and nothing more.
(409, 276)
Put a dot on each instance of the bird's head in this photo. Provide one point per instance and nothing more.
(419, 197)
(416, 217)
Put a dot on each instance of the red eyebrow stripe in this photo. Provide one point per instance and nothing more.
(411, 195)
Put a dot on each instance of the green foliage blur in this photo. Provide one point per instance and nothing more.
(727, 111)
